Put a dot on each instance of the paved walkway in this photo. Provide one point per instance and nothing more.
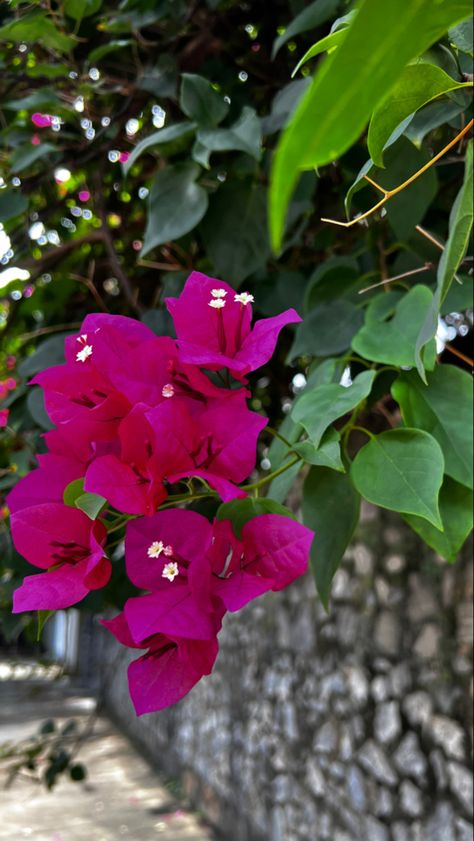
(122, 799)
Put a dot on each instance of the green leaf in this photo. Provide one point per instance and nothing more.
(401, 470)
(48, 353)
(164, 137)
(42, 98)
(408, 208)
(392, 340)
(200, 102)
(237, 207)
(78, 9)
(245, 135)
(417, 85)
(331, 508)
(328, 329)
(459, 297)
(91, 504)
(455, 505)
(312, 16)
(12, 203)
(432, 116)
(37, 26)
(324, 45)
(444, 409)
(26, 155)
(283, 105)
(100, 52)
(460, 227)
(73, 491)
(462, 36)
(240, 511)
(42, 617)
(326, 454)
(332, 279)
(381, 40)
(176, 205)
(318, 408)
(36, 408)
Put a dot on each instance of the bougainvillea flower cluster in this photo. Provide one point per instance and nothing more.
(140, 421)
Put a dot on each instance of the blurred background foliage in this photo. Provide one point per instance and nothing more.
(137, 144)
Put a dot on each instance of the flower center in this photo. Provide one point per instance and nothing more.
(244, 298)
(170, 571)
(85, 351)
(157, 548)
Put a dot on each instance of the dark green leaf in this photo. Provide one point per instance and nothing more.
(331, 508)
(455, 505)
(393, 341)
(462, 36)
(460, 227)
(240, 511)
(318, 408)
(49, 352)
(26, 155)
(402, 470)
(444, 409)
(164, 137)
(381, 40)
(36, 408)
(12, 203)
(408, 208)
(100, 52)
(327, 330)
(42, 98)
(283, 105)
(234, 231)
(177, 205)
(312, 16)
(200, 102)
(245, 135)
(459, 297)
(417, 85)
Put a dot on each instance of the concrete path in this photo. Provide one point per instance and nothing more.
(122, 799)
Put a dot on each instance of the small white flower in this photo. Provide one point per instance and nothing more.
(170, 571)
(155, 549)
(167, 390)
(244, 298)
(83, 354)
(217, 303)
(168, 551)
(82, 339)
(218, 293)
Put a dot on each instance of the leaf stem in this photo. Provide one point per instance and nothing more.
(262, 482)
(388, 194)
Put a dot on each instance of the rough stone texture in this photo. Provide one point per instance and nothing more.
(350, 726)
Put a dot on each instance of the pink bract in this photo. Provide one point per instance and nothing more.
(212, 323)
(168, 670)
(69, 545)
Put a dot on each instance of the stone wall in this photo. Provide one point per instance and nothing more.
(352, 726)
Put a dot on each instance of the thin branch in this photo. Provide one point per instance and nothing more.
(424, 268)
(460, 355)
(44, 331)
(111, 252)
(60, 252)
(388, 194)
